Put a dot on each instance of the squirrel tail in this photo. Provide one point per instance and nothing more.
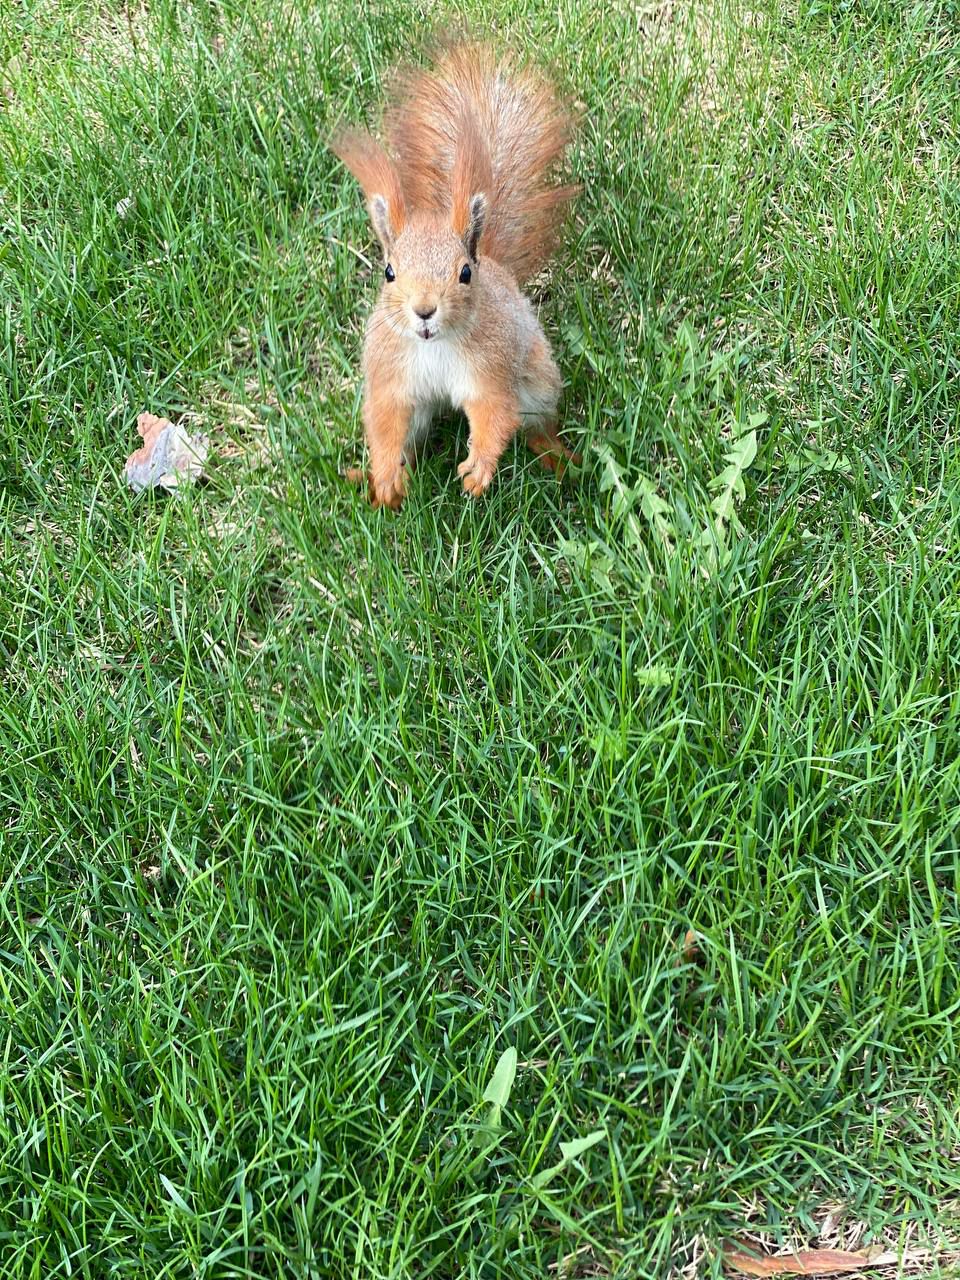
(476, 124)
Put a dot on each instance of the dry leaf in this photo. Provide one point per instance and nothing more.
(830, 1226)
(169, 457)
(807, 1262)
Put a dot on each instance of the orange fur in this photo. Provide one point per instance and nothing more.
(373, 169)
(474, 115)
(387, 422)
(494, 418)
(463, 202)
(471, 171)
(550, 451)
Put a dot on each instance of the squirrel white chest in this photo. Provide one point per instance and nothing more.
(437, 374)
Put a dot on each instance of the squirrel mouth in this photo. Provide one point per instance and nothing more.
(425, 332)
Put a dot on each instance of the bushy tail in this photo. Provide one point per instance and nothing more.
(476, 120)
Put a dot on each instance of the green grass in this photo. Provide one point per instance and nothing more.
(309, 812)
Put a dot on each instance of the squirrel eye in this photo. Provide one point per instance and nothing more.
(465, 274)
(390, 274)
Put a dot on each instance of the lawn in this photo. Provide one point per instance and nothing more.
(309, 813)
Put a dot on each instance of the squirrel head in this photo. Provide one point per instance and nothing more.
(430, 235)
(432, 271)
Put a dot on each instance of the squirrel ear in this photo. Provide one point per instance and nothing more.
(476, 217)
(380, 217)
(377, 175)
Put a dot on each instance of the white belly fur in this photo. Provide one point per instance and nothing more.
(438, 378)
(438, 375)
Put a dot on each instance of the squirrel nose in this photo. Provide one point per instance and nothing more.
(424, 312)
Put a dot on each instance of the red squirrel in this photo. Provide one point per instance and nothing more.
(461, 198)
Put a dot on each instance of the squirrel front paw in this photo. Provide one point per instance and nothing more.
(476, 473)
(389, 490)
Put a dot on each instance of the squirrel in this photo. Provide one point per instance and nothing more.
(461, 199)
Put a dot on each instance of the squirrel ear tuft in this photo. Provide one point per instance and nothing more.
(380, 217)
(477, 216)
(377, 175)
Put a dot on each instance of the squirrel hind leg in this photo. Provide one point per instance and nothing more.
(539, 396)
(549, 450)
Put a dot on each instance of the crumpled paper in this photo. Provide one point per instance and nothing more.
(170, 456)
